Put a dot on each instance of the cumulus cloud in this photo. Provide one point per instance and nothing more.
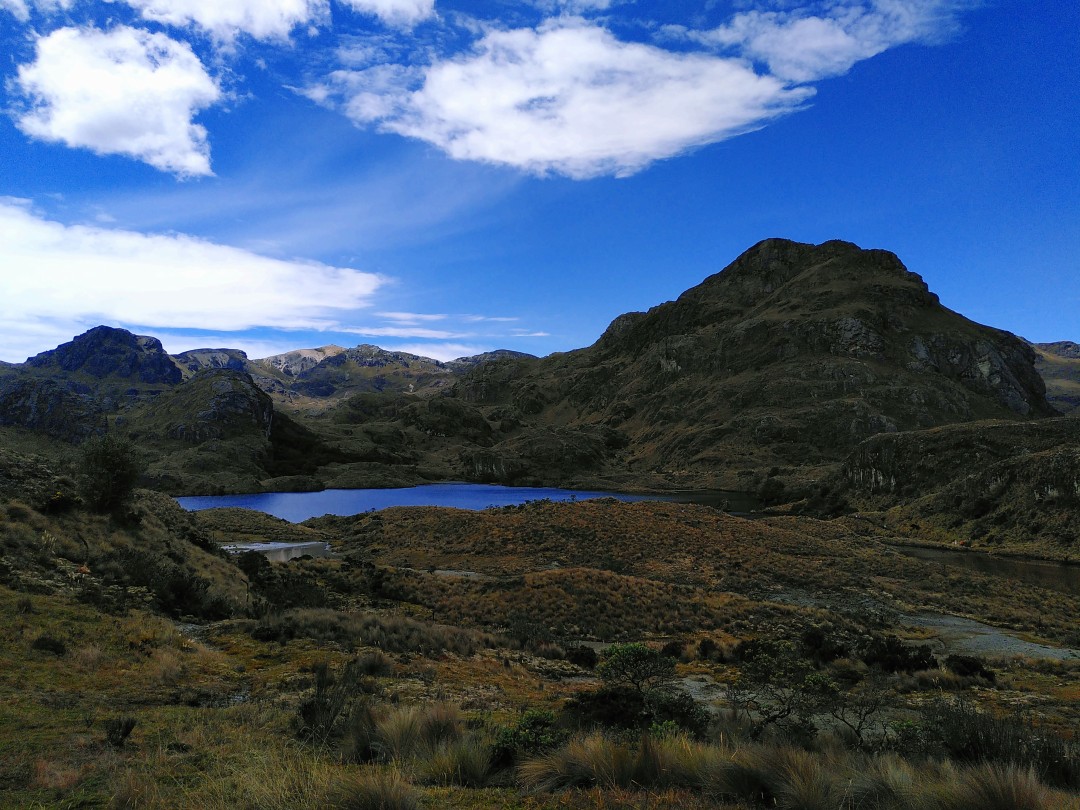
(808, 44)
(225, 19)
(63, 279)
(124, 91)
(400, 13)
(570, 97)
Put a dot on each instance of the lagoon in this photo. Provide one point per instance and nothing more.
(297, 507)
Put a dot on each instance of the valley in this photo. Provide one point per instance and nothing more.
(556, 654)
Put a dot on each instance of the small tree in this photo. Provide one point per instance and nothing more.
(108, 468)
(636, 666)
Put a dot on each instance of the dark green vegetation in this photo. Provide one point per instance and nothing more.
(595, 654)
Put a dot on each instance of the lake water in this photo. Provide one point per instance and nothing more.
(1056, 576)
(299, 506)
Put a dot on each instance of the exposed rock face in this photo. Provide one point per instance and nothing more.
(295, 363)
(196, 360)
(987, 482)
(49, 406)
(215, 404)
(105, 352)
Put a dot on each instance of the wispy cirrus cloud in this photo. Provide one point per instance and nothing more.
(807, 44)
(62, 279)
(125, 91)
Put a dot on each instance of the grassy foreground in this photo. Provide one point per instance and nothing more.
(450, 660)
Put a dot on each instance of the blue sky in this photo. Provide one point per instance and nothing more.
(453, 177)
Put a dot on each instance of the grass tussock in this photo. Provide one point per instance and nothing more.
(375, 788)
(786, 777)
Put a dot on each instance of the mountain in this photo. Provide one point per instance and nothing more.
(1059, 365)
(787, 358)
(105, 353)
(774, 376)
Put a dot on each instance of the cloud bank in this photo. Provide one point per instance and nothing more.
(59, 280)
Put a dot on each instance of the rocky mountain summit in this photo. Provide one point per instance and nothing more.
(789, 357)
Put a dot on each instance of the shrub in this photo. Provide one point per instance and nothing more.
(118, 729)
(535, 731)
(582, 656)
(969, 666)
(958, 729)
(47, 643)
(611, 707)
(890, 654)
(636, 666)
(108, 468)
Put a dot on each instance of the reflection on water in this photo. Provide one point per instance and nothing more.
(299, 506)
(1056, 576)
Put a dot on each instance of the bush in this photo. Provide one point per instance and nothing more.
(610, 707)
(535, 732)
(46, 643)
(118, 729)
(890, 654)
(969, 666)
(636, 666)
(582, 656)
(108, 467)
(958, 729)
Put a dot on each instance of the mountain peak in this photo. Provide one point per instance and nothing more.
(109, 352)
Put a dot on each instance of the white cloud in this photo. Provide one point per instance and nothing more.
(801, 46)
(400, 13)
(225, 19)
(125, 91)
(569, 97)
(63, 279)
(440, 351)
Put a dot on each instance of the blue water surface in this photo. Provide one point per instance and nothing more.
(299, 506)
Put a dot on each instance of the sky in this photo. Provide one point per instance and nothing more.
(446, 177)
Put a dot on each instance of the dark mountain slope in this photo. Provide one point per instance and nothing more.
(788, 357)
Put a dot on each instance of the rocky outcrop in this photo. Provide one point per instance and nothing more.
(463, 364)
(105, 352)
(215, 404)
(195, 360)
(293, 364)
(49, 406)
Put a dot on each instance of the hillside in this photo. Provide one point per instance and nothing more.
(787, 358)
(1059, 365)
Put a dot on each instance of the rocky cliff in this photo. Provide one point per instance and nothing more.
(1059, 365)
